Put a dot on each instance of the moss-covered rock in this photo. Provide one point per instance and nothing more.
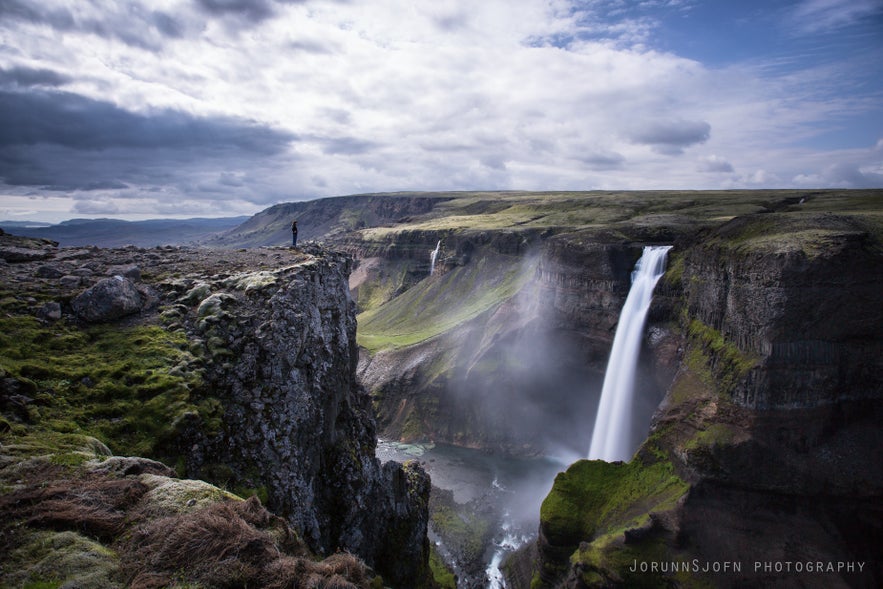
(61, 559)
(595, 503)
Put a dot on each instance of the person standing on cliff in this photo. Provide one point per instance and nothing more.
(294, 233)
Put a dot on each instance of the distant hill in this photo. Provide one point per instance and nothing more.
(327, 217)
(16, 225)
(115, 233)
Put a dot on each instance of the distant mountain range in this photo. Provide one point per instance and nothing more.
(116, 233)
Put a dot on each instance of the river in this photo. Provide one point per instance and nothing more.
(511, 488)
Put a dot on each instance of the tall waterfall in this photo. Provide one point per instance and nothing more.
(611, 436)
(433, 257)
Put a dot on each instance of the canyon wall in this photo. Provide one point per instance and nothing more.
(765, 437)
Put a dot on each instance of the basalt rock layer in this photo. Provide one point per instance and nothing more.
(766, 432)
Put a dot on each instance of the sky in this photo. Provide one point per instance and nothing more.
(203, 108)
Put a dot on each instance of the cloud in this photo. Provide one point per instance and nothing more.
(66, 141)
(818, 16)
(71, 120)
(226, 103)
(25, 76)
(843, 175)
(96, 207)
(602, 160)
(131, 23)
(252, 10)
(671, 137)
(714, 163)
(347, 146)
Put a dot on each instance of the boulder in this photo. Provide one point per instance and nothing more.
(69, 281)
(108, 300)
(51, 311)
(49, 271)
(130, 271)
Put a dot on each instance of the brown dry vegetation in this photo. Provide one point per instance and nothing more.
(226, 544)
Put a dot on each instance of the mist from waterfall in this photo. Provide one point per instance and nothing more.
(612, 431)
(433, 257)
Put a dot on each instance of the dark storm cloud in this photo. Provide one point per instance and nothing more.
(64, 140)
(672, 137)
(25, 76)
(105, 185)
(131, 24)
(75, 121)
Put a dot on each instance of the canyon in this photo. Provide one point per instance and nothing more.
(484, 321)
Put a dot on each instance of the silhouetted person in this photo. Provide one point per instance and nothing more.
(294, 234)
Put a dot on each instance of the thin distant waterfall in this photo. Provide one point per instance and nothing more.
(433, 257)
(613, 424)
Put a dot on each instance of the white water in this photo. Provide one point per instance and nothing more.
(512, 540)
(511, 488)
(612, 433)
(432, 258)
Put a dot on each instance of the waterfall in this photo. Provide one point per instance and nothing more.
(611, 436)
(432, 258)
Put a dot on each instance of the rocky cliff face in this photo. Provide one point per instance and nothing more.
(296, 421)
(766, 432)
(240, 365)
(802, 297)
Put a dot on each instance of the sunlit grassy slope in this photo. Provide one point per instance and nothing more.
(440, 302)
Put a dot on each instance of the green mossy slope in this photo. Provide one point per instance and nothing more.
(441, 302)
(594, 504)
(126, 386)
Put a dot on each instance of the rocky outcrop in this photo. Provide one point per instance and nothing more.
(76, 515)
(802, 297)
(296, 422)
(110, 299)
(15, 249)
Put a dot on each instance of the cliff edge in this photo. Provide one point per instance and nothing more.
(237, 367)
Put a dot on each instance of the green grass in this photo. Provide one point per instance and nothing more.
(594, 498)
(124, 386)
(592, 504)
(442, 575)
(718, 362)
(812, 231)
(570, 210)
(439, 303)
